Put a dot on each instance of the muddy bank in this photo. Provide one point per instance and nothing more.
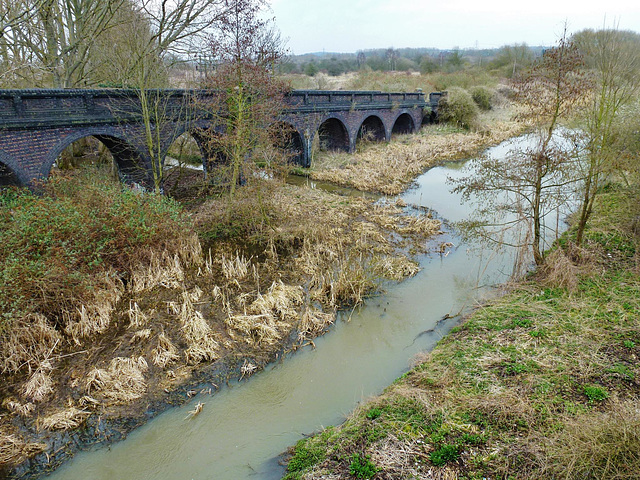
(195, 321)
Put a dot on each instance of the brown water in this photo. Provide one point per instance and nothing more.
(244, 428)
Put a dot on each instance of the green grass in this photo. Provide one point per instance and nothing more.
(539, 384)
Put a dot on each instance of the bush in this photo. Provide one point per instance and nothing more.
(57, 248)
(458, 108)
(482, 96)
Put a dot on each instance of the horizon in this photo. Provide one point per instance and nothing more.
(347, 27)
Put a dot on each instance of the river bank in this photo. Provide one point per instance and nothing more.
(184, 320)
(541, 383)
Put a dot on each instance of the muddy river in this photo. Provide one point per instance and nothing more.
(244, 427)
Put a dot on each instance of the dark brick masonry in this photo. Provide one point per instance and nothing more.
(37, 125)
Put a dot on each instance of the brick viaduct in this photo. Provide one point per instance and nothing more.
(37, 125)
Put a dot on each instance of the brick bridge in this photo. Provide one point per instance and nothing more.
(37, 125)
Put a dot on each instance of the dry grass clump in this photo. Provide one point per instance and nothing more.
(196, 330)
(396, 268)
(314, 322)
(67, 419)
(559, 271)
(141, 335)
(400, 459)
(598, 445)
(165, 352)
(29, 343)
(235, 268)
(22, 409)
(420, 225)
(122, 382)
(95, 317)
(13, 449)
(340, 276)
(137, 318)
(269, 315)
(163, 270)
(40, 385)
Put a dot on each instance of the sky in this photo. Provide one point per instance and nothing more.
(351, 25)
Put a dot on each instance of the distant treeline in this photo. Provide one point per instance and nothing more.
(507, 60)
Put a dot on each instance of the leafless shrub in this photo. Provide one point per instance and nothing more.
(122, 382)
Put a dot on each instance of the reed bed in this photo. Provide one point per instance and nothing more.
(390, 168)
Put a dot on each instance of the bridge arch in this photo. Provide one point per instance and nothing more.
(333, 135)
(288, 139)
(133, 166)
(10, 174)
(372, 129)
(205, 135)
(403, 124)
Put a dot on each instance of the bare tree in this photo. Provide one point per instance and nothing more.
(533, 182)
(52, 45)
(247, 50)
(614, 58)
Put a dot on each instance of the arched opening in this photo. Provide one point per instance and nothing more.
(183, 167)
(214, 146)
(289, 141)
(8, 178)
(372, 130)
(404, 124)
(429, 118)
(87, 156)
(333, 135)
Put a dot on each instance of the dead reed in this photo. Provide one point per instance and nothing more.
(14, 449)
(123, 381)
(67, 419)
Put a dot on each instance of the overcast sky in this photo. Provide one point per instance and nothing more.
(351, 25)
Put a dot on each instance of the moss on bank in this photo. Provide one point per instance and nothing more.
(542, 383)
